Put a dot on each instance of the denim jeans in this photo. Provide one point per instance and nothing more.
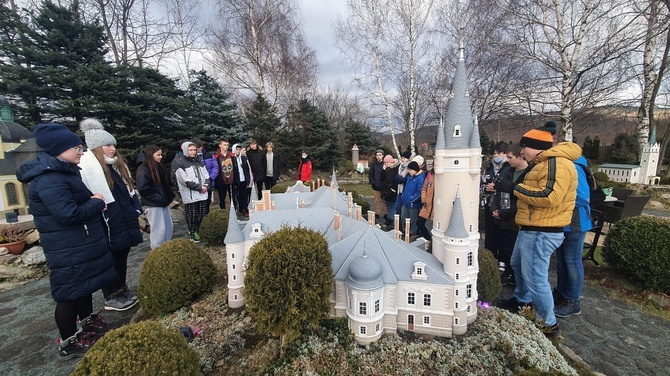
(413, 215)
(530, 261)
(570, 268)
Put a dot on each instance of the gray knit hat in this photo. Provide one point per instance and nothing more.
(95, 134)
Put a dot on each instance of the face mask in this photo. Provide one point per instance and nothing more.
(304, 155)
(498, 159)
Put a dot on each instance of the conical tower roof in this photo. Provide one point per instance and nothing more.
(234, 234)
(458, 121)
(456, 227)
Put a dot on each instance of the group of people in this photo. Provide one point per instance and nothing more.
(231, 171)
(536, 202)
(403, 187)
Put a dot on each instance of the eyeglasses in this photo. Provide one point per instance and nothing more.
(79, 149)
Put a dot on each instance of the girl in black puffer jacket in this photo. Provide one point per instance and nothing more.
(154, 187)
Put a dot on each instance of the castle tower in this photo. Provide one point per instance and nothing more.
(234, 241)
(649, 157)
(457, 163)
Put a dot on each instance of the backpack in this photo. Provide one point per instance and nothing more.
(597, 196)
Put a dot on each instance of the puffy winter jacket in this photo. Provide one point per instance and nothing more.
(71, 227)
(547, 195)
(191, 177)
(121, 216)
(211, 165)
(153, 195)
(581, 216)
(411, 195)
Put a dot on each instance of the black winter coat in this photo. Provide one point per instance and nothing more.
(152, 195)
(258, 163)
(121, 216)
(389, 185)
(376, 175)
(72, 231)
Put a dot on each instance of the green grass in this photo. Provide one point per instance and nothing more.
(362, 189)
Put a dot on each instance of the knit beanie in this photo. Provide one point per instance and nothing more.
(418, 159)
(549, 126)
(95, 134)
(537, 139)
(406, 154)
(55, 138)
(414, 166)
(388, 159)
(379, 151)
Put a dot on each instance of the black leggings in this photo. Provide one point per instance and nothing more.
(423, 231)
(67, 312)
(121, 266)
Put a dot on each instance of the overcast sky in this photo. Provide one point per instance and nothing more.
(319, 27)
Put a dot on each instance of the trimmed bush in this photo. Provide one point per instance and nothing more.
(638, 246)
(214, 227)
(173, 276)
(279, 188)
(365, 206)
(145, 348)
(489, 287)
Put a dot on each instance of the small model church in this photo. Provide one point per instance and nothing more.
(382, 283)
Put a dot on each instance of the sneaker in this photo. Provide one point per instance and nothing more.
(559, 299)
(119, 303)
(511, 304)
(551, 331)
(507, 279)
(129, 295)
(95, 325)
(71, 348)
(195, 237)
(501, 266)
(569, 308)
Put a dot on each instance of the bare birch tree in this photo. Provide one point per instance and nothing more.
(583, 48)
(259, 46)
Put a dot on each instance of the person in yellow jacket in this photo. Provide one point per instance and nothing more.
(546, 199)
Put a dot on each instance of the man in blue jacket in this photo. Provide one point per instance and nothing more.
(411, 196)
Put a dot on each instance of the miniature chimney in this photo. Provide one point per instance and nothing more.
(337, 220)
(407, 227)
(396, 226)
(302, 204)
(350, 204)
(371, 218)
(312, 185)
(339, 230)
(359, 212)
(266, 199)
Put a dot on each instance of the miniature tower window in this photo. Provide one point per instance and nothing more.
(235, 297)
(377, 328)
(468, 291)
(377, 305)
(363, 330)
(426, 320)
(410, 298)
(362, 308)
(457, 131)
(419, 271)
(256, 230)
(456, 319)
(470, 258)
(233, 266)
(232, 255)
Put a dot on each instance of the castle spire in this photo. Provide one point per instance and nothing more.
(234, 234)
(456, 227)
(458, 121)
(333, 180)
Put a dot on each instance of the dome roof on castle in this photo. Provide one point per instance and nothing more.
(9, 130)
(365, 273)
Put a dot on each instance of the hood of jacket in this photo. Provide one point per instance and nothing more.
(184, 148)
(568, 150)
(44, 164)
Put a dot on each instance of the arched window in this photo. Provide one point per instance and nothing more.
(12, 196)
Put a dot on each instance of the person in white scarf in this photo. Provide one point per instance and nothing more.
(104, 170)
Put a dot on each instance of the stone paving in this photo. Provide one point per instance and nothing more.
(612, 337)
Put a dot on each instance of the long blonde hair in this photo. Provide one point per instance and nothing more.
(121, 167)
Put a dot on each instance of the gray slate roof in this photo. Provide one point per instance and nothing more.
(459, 112)
(456, 227)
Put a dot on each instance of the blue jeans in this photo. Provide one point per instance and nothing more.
(570, 268)
(413, 215)
(530, 261)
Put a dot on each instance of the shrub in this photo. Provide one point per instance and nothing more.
(665, 180)
(638, 246)
(601, 178)
(279, 188)
(173, 276)
(214, 227)
(145, 348)
(289, 278)
(489, 287)
(365, 206)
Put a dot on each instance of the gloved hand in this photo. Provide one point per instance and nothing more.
(505, 186)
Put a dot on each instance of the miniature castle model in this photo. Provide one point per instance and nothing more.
(645, 173)
(384, 284)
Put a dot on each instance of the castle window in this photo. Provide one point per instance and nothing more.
(362, 308)
(10, 191)
(471, 228)
(455, 320)
(456, 305)
(456, 292)
(377, 305)
(410, 298)
(234, 277)
(235, 297)
(426, 320)
(233, 266)
(457, 131)
(458, 276)
(349, 302)
(469, 258)
(458, 261)
(439, 225)
(468, 309)
(362, 330)
(232, 255)
(419, 271)
(468, 291)
(426, 300)
(377, 328)
(455, 161)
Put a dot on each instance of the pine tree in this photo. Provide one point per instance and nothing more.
(262, 122)
(625, 149)
(211, 114)
(308, 129)
(359, 134)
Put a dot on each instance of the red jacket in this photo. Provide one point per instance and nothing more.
(305, 170)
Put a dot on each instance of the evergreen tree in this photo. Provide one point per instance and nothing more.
(211, 115)
(262, 122)
(486, 142)
(288, 282)
(359, 134)
(308, 128)
(595, 154)
(625, 149)
(587, 148)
